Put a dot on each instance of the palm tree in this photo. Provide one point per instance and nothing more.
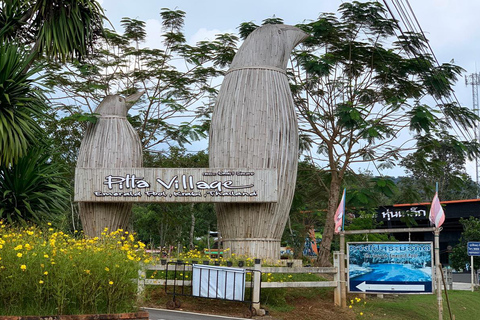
(57, 29)
(31, 30)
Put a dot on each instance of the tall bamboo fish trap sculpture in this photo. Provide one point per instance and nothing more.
(254, 126)
(111, 142)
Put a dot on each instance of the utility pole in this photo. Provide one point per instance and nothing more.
(474, 81)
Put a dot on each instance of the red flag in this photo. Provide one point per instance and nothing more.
(437, 216)
(339, 214)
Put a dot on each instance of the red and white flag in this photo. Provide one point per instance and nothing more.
(339, 214)
(437, 216)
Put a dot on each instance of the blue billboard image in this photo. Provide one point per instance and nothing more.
(390, 267)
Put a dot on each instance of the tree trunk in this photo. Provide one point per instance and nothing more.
(324, 258)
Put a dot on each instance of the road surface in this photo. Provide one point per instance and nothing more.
(162, 314)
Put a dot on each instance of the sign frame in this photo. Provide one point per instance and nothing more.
(473, 248)
(390, 258)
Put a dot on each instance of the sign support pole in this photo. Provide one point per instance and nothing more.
(471, 270)
(438, 273)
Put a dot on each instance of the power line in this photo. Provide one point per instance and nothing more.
(411, 25)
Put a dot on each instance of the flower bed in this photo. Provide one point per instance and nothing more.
(43, 272)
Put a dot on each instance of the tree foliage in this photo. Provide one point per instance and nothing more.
(58, 29)
(441, 161)
(33, 190)
(22, 103)
(32, 184)
(176, 79)
(471, 232)
(357, 92)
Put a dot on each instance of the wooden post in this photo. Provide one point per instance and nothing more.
(141, 284)
(256, 284)
(343, 283)
(438, 273)
(337, 294)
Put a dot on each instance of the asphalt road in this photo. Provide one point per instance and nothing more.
(161, 314)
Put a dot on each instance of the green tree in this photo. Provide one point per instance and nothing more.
(356, 91)
(32, 32)
(471, 232)
(22, 104)
(441, 161)
(58, 30)
(175, 107)
(33, 190)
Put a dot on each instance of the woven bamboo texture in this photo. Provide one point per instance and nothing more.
(109, 143)
(254, 126)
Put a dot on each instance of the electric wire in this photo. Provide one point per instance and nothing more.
(413, 26)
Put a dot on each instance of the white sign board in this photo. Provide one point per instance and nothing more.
(175, 185)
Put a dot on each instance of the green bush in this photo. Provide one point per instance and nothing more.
(51, 273)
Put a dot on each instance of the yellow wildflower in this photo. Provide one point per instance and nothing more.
(19, 254)
(23, 267)
(110, 282)
(41, 281)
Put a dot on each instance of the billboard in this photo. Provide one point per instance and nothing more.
(390, 267)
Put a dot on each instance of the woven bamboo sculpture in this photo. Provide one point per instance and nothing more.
(109, 143)
(254, 126)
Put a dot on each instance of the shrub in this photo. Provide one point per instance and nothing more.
(48, 273)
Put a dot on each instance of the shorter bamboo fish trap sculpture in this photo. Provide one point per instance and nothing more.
(109, 143)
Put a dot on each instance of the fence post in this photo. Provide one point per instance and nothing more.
(337, 294)
(256, 284)
(141, 283)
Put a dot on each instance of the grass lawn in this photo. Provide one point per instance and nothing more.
(465, 305)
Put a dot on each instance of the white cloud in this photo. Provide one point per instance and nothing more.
(203, 34)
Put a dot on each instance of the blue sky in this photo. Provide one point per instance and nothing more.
(452, 26)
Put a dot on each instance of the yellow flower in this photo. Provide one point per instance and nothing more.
(45, 256)
(110, 282)
(46, 273)
(350, 307)
(49, 223)
(107, 269)
(23, 267)
(361, 313)
(41, 281)
(87, 271)
(19, 247)
(19, 254)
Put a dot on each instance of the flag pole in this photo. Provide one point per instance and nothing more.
(344, 195)
(438, 265)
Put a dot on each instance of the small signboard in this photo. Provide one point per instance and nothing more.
(473, 248)
(390, 267)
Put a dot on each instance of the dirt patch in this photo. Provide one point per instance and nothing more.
(299, 307)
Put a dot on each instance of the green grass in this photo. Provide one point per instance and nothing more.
(464, 306)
